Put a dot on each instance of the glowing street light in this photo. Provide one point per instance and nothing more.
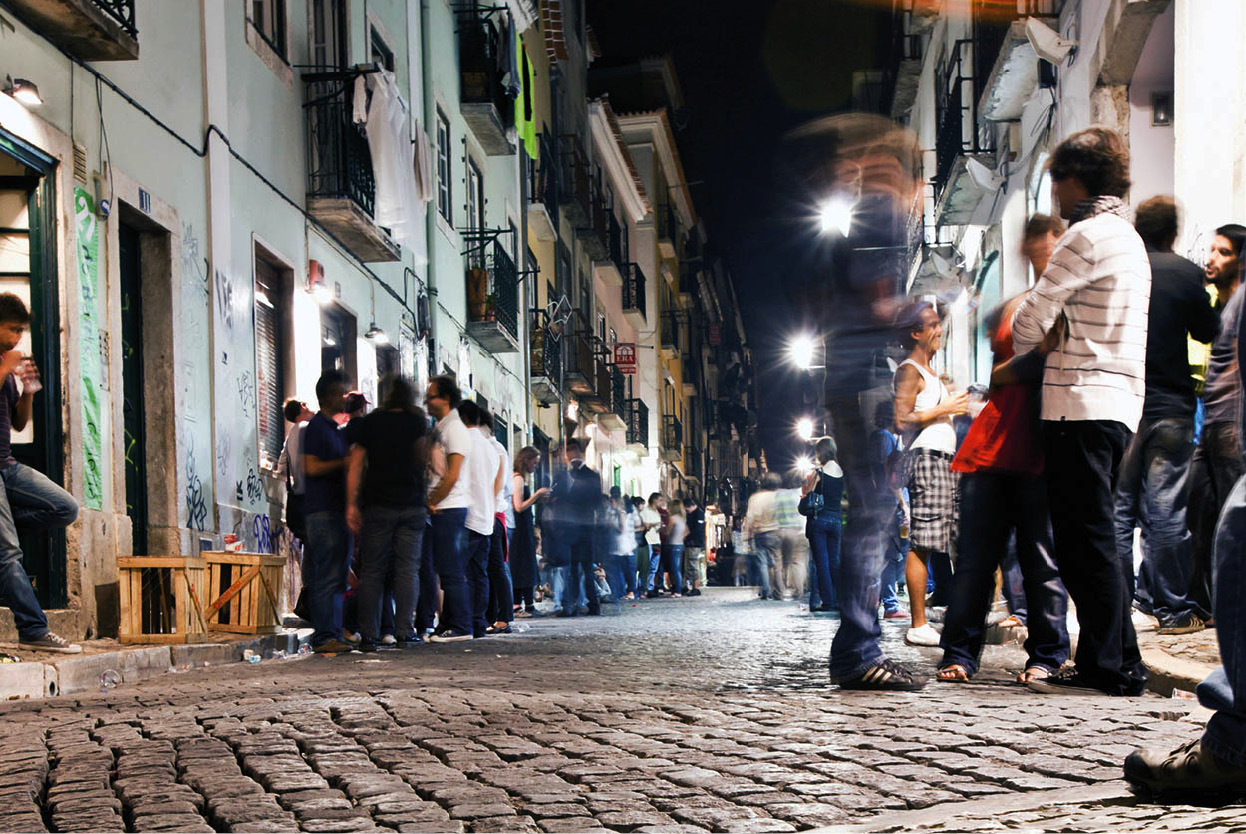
(804, 465)
(801, 349)
(804, 429)
(835, 215)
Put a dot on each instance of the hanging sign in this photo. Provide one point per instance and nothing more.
(625, 357)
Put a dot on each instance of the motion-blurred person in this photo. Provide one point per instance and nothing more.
(448, 498)
(576, 495)
(483, 477)
(524, 573)
(651, 517)
(762, 526)
(822, 496)
(622, 552)
(793, 570)
(500, 612)
(694, 548)
(673, 536)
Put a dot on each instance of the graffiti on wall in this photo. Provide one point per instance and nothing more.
(194, 386)
(196, 497)
(87, 230)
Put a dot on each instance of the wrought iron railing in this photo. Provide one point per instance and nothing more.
(544, 351)
(637, 422)
(339, 161)
(481, 64)
(618, 392)
(668, 222)
(672, 325)
(634, 289)
(500, 301)
(579, 358)
(957, 130)
(692, 461)
(543, 187)
(121, 11)
(616, 241)
(672, 434)
(575, 180)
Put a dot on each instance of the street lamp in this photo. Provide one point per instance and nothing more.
(835, 215)
(801, 349)
(804, 465)
(804, 429)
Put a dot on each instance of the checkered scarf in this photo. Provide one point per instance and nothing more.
(1102, 204)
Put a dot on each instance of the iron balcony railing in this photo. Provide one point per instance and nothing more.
(692, 460)
(637, 422)
(616, 242)
(957, 128)
(339, 161)
(121, 11)
(579, 360)
(544, 351)
(672, 326)
(618, 392)
(543, 187)
(500, 301)
(482, 65)
(668, 223)
(672, 434)
(575, 182)
(634, 289)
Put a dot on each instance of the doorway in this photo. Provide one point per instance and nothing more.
(135, 441)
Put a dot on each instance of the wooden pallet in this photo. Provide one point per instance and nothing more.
(244, 589)
(162, 599)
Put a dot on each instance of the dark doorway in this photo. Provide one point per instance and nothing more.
(130, 252)
(28, 269)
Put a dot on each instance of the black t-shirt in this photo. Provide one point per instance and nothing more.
(696, 528)
(395, 476)
(1179, 305)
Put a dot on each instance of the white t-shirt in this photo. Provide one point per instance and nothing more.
(452, 438)
(484, 464)
(624, 539)
(508, 483)
(651, 516)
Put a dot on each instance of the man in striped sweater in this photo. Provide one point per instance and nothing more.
(1088, 311)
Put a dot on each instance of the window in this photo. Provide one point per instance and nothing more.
(269, 19)
(338, 341)
(270, 342)
(475, 196)
(327, 33)
(443, 168)
(382, 55)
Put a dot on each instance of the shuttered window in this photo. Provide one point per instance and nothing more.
(269, 374)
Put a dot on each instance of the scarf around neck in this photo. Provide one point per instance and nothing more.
(1103, 204)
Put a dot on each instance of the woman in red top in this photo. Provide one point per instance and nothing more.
(1002, 492)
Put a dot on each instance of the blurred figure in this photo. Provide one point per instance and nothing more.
(449, 495)
(793, 571)
(761, 524)
(523, 563)
(887, 488)
(1151, 486)
(673, 534)
(483, 477)
(824, 527)
(576, 495)
(651, 518)
(694, 548)
(499, 612)
(866, 170)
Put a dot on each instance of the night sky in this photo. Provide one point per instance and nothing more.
(750, 70)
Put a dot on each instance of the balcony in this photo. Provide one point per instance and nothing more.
(614, 267)
(672, 335)
(692, 463)
(634, 296)
(598, 400)
(594, 237)
(614, 418)
(543, 192)
(493, 302)
(637, 426)
(340, 185)
(579, 362)
(544, 361)
(90, 30)
(1005, 61)
(575, 183)
(958, 138)
(672, 438)
(487, 108)
(668, 230)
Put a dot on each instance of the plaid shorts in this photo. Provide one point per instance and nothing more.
(933, 488)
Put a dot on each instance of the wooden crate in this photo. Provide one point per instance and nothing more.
(244, 589)
(162, 599)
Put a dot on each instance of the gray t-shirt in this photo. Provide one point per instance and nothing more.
(1223, 384)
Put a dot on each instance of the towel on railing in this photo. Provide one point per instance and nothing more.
(398, 206)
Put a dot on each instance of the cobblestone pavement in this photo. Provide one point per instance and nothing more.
(672, 715)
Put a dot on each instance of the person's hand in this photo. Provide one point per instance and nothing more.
(957, 405)
(807, 486)
(10, 361)
(1054, 336)
(28, 373)
(354, 519)
(541, 494)
(433, 509)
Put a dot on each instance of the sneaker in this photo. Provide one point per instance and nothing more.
(333, 647)
(886, 675)
(450, 635)
(51, 642)
(1188, 624)
(389, 640)
(695, 592)
(1068, 681)
(367, 646)
(923, 636)
(895, 615)
(410, 642)
(1190, 769)
(351, 636)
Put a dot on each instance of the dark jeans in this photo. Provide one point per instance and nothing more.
(426, 608)
(580, 545)
(390, 558)
(1225, 689)
(450, 560)
(767, 550)
(617, 574)
(28, 500)
(1214, 469)
(325, 566)
(855, 648)
(501, 590)
(673, 566)
(478, 580)
(1151, 493)
(1013, 585)
(993, 505)
(824, 538)
(1082, 460)
(526, 597)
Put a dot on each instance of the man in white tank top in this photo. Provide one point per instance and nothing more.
(924, 412)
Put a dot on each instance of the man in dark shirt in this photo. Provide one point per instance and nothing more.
(1151, 483)
(325, 552)
(694, 547)
(28, 498)
(576, 498)
(386, 507)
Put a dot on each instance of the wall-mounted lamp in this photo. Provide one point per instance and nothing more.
(27, 92)
(377, 336)
(1161, 109)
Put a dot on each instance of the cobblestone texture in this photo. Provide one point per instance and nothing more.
(709, 714)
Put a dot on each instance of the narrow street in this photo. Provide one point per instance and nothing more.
(674, 715)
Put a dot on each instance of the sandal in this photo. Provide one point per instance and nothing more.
(1033, 673)
(1011, 621)
(953, 673)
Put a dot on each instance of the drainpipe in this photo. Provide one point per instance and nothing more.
(430, 218)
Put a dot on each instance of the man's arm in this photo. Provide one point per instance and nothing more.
(21, 414)
(354, 479)
(314, 467)
(1067, 272)
(454, 465)
(909, 384)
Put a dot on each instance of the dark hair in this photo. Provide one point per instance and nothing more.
(524, 458)
(574, 443)
(485, 419)
(653, 496)
(469, 413)
(447, 389)
(637, 501)
(355, 400)
(13, 309)
(615, 492)
(772, 480)
(825, 449)
(292, 409)
(884, 414)
(399, 395)
(326, 382)
(1097, 158)
(910, 320)
(1234, 232)
(1156, 221)
(1042, 224)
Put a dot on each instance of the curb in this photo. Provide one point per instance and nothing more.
(1168, 672)
(69, 675)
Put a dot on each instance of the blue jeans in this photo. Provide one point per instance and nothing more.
(893, 565)
(501, 589)
(1013, 585)
(478, 580)
(617, 574)
(767, 550)
(391, 556)
(824, 536)
(993, 505)
(450, 561)
(325, 565)
(1151, 493)
(29, 500)
(1225, 689)
(426, 607)
(1214, 468)
(673, 566)
(655, 562)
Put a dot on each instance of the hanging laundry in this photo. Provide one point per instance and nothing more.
(386, 120)
(525, 122)
(508, 60)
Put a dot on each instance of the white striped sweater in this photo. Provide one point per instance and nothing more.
(1099, 277)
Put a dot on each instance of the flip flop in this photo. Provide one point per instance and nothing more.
(1033, 673)
(953, 673)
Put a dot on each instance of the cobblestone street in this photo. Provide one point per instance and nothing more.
(674, 715)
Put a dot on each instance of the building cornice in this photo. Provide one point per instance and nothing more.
(613, 153)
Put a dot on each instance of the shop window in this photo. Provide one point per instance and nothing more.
(271, 315)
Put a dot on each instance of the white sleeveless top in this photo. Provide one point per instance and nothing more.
(939, 436)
